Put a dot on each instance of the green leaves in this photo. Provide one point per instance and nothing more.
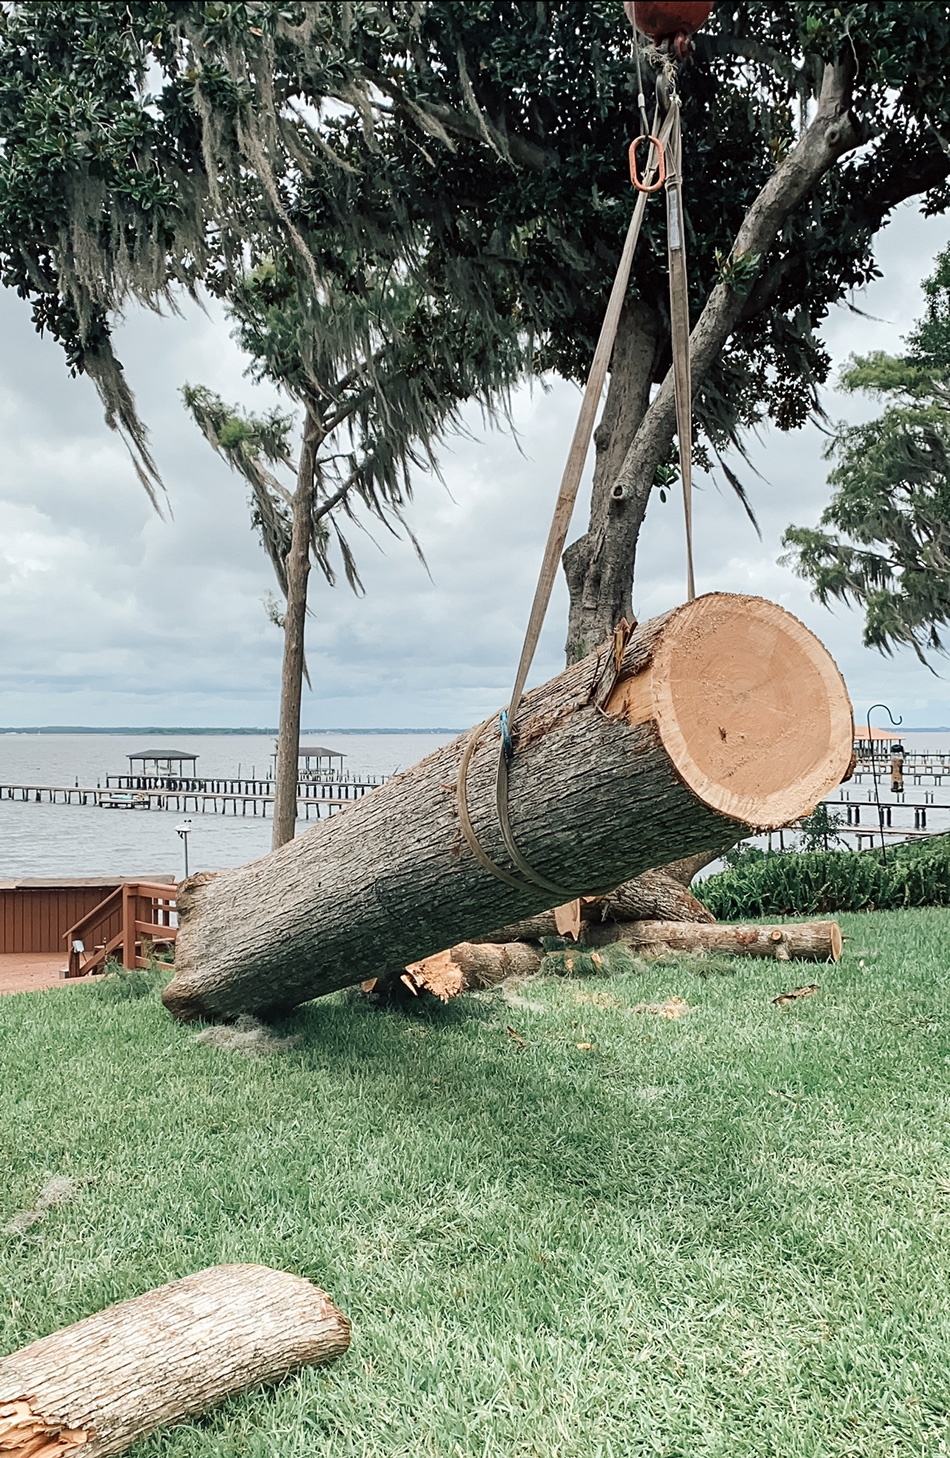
(889, 547)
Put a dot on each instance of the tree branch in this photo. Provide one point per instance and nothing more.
(438, 120)
(831, 134)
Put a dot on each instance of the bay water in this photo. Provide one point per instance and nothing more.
(86, 840)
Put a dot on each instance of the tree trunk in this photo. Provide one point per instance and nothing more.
(600, 594)
(654, 896)
(599, 566)
(809, 941)
(295, 619)
(723, 716)
(101, 1384)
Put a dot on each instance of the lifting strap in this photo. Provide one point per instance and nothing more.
(679, 327)
(530, 879)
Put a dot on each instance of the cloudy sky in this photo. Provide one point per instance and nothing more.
(111, 615)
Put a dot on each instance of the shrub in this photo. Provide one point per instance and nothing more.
(810, 883)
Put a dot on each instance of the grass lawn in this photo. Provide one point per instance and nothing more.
(725, 1235)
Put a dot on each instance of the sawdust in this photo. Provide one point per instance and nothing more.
(597, 999)
(59, 1190)
(248, 1036)
(674, 1007)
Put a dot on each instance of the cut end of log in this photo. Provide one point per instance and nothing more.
(749, 706)
(439, 975)
(25, 1433)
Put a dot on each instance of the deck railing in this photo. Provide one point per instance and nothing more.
(135, 914)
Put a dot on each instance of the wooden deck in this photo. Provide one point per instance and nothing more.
(30, 971)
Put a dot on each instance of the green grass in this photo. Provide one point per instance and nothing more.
(726, 1235)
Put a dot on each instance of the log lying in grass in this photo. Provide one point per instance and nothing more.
(654, 896)
(808, 941)
(717, 719)
(473, 966)
(95, 1387)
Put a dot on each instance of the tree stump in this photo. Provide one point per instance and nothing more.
(99, 1385)
(721, 718)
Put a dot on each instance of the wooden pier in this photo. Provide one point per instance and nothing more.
(315, 800)
(919, 769)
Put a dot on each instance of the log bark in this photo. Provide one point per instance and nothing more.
(99, 1385)
(685, 872)
(809, 941)
(722, 717)
(654, 896)
(473, 966)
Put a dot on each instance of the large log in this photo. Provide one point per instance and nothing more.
(722, 717)
(99, 1385)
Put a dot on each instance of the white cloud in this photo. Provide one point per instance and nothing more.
(113, 615)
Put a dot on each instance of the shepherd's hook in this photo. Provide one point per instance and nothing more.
(877, 794)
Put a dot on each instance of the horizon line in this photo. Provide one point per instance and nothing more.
(210, 729)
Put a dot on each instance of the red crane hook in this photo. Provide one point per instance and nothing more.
(669, 22)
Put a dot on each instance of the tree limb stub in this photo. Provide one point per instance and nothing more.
(727, 716)
(99, 1385)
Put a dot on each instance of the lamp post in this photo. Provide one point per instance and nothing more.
(184, 830)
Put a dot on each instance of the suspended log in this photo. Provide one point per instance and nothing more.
(722, 717)
(807, 941)
(99, 1385)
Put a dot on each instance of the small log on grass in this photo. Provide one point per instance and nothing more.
(470, 967)
(99, 1385)
(723, 717)
(807, 941)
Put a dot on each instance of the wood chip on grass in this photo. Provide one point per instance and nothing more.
(784, 998)
(674, 1007)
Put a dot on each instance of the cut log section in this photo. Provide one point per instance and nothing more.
(723, 717)
(807, 941)
(95, 1387)
(473, 966)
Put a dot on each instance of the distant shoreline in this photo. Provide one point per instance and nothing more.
(185, 729)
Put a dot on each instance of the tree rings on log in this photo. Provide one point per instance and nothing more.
(99, 1385)
(719, 719)
(749, 706)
